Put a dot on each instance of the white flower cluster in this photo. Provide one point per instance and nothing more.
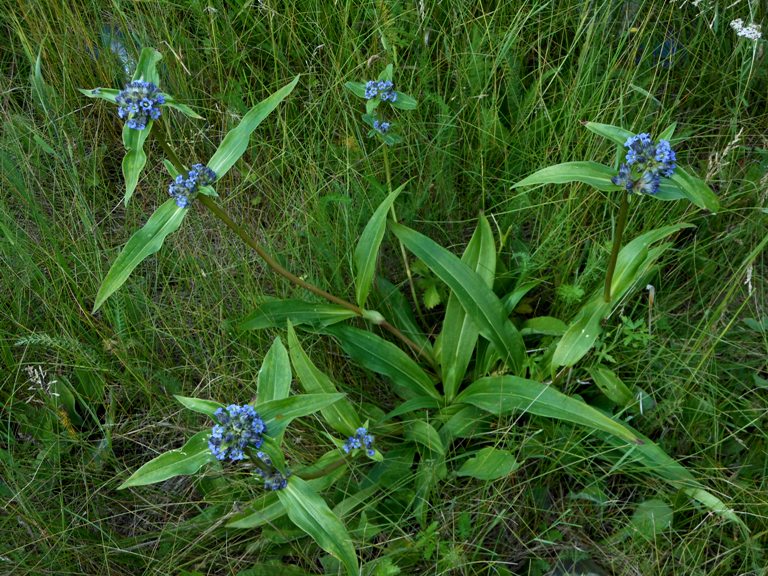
(752, 31)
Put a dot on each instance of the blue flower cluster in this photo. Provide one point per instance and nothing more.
(184, 188)
(238, 427)
(384, 89)
(273, 478)
(646, 162)
(139, 102)
(359, 440)
(382, 127)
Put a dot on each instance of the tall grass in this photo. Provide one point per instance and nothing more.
(503, 88)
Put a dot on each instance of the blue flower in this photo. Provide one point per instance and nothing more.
(382, 127)
(646, 163)
(371, 89)
(384, 89)
(273, 478)
(139, 102)
(185, 187)
(238, 427)
(359, 440)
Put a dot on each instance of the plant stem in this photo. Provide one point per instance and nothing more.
(222, 215)
(323, 471)
(618, 233)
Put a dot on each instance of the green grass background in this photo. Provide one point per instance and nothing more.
(502, 89)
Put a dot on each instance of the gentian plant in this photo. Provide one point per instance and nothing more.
(452, 379)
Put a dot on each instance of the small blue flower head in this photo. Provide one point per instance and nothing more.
(361, 439)
(238, 427)
(273, 478)
(384, 89)
(382, 127)
(139, 102)
(646, 163)
(185, 186)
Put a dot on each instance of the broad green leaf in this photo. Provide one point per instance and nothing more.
(412, 405)
(274, 313)
(459, 333)
(489, 464)
(207, 407)
(383, 357)
(357, 88)
(267, 508)
(367, 249)
(180, 462)
(340, 415)
(511, 300)
(423, 433)
(404, 102)
(146, 67)
(309, 512)
(651, 518)
(108, 94)
(668, 133)
(613, 133)
(502, 394)
(592, 173)
(463, 421)
(387, 73)
(144, 242)
(544, 325)
(633, 262)
(611, 385)
(277, 414)
(170, 102)
(274, 379)
(236, 141)
(135, 157)
(396, 307)
(481, 304)
(669, 190)
(696, 190)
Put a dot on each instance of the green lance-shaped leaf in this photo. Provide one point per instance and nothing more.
(144, 242)
(394, 306)
(367, 250)
(404, 102)
(108, 94)
(696, 190)
(592, 173)
(309, 512)
(378, 355)
(180, 462)
(275, 312)
(236, 141)
(502, 394)
(425, 434)
(135, 158)
(274, 379)
(171, 102)
(489, 464)
(340, 416)
(199, 405)
(613, 133)
(459, 333)
(633, 262)
(357, 88)
(481, 304)
(611, 385)
(146, 67)
(277, 414)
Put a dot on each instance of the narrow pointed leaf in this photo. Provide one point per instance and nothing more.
(135, 158)
(199, 405)
(108, 94)
(592, 173)
(309, 512)
(613, 133)
(383, 357)
(277, 414)
(394, 305)
(144, 242)
(477, 299)
(405, 102)
(274, 313)
(503, 394)
(171, 102)
(459, 333)
(180, 462)
(236, 141)
(489, 464)
(146, 67)
(696, 190)
(367, 249)
(274, 379)
(340, 415)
